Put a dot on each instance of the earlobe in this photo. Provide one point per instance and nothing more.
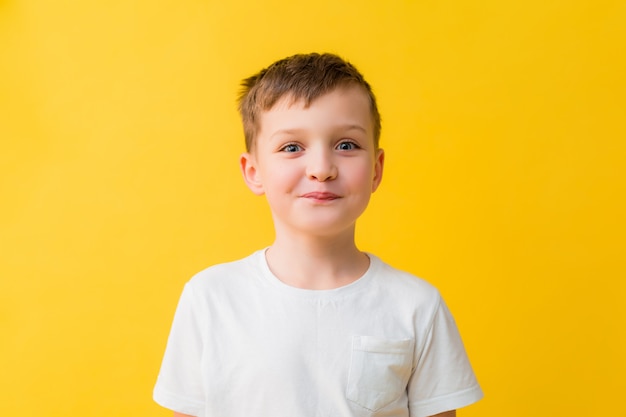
(379, 163)
(251, 176)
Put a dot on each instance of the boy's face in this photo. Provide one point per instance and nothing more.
(317, 165)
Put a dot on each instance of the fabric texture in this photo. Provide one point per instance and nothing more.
(243, 343)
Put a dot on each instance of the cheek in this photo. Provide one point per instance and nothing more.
(362, 175)
(280, 179)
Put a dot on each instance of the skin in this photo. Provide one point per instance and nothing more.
(317, 167)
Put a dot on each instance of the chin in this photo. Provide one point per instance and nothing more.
(323, 229)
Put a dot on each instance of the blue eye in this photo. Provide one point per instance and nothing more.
(347, 146)
(291, 147)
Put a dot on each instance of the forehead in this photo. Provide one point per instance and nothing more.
(341, 107)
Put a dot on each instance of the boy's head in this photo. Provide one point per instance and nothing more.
(302, 77)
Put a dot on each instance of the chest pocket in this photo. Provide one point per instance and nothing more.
(379, 370)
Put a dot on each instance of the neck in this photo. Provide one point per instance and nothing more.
(316, 262)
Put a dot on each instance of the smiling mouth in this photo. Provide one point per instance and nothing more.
(321, 196)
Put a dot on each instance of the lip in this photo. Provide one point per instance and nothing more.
(321, 196)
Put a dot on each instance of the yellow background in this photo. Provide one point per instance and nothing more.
(504, 126)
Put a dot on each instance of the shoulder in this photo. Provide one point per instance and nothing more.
(396, 279)
(403, 285)
(227, 274)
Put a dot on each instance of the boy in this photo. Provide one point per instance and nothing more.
(311, 326)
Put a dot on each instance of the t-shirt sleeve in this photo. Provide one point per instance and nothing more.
(443, 379)
(179, 385)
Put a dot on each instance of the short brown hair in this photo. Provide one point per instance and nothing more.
(304, 77)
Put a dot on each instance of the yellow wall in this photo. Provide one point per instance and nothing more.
(504, 126)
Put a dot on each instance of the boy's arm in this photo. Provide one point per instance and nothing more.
(451, 413)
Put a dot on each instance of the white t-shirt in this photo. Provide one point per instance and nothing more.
(245, 344)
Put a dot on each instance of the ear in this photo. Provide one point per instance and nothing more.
(251, 176)
(379, 163)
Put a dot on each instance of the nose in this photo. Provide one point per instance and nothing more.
(321, 166)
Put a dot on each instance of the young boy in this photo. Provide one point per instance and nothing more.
(311, 326)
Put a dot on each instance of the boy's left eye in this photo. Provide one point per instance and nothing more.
(347, 146)
(290, 147)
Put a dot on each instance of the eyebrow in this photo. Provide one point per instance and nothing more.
(340, 127)
(286, 132)
(356, 127)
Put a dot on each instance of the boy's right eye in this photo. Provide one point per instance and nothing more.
(290, 147)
